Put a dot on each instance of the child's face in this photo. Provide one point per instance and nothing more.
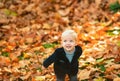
(68, 43)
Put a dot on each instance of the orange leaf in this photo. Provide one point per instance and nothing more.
(116, 79)
(13, 57)
(102, 31)
(7, 60)
(33, 79)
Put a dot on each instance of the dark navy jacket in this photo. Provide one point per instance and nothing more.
(62, 64)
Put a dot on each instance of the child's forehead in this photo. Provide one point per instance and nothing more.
(68, 35)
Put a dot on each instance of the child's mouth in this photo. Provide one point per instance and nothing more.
(68, 47)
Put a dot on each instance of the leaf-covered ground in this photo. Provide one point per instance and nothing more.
(30, 30)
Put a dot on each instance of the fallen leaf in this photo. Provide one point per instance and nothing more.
(40, 78)
(116, 79)
(84, 74)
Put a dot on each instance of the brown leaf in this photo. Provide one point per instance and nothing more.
(7, 70)
(116, 79)
(84, 74)
(97, 2)
(3, 20)
(25, 77)
(64, 12)
(13, 57)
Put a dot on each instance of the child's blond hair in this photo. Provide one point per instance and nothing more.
(69, 33)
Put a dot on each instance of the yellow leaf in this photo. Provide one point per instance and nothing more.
(27, 55)
(40, 78)
(99, 79)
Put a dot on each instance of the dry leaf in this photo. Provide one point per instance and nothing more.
(40, 78)
(84, 74)
(116, 79)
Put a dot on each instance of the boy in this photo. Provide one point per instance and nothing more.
(65, 59)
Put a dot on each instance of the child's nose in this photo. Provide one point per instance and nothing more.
(68, 42)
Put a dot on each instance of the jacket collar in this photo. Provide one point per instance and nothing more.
(63, 54)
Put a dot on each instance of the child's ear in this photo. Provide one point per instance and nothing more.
(75, 44)
(61, 43)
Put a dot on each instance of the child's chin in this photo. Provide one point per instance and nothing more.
(69, 50)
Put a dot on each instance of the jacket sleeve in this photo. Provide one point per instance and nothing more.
(49, 60)
(79, 50)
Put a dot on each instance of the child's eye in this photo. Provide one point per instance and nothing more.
(65, 40)
(71, 40)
